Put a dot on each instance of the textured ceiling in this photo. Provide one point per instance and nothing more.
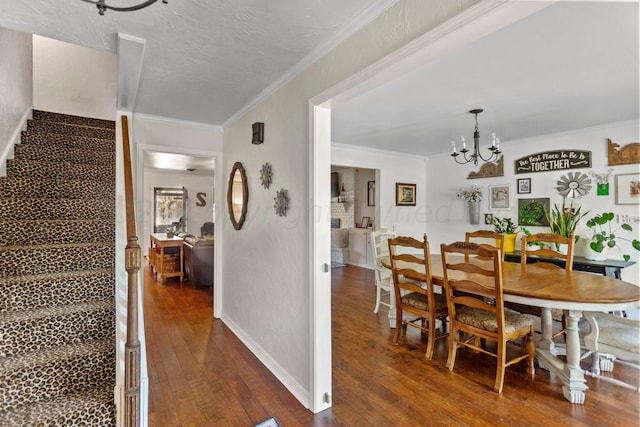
(569, 66)
(573, 64)
(204, 59)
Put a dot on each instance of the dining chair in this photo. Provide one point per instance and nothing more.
(413, 290)
(552, 241)
(383, 279)
(550, 250)
(482, 236)
(476, 307)
(612, 338)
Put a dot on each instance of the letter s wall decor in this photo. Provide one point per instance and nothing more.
(201, 201)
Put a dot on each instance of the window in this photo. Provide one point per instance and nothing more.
(169, 209)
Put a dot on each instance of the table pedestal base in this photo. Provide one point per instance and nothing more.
(570, 373)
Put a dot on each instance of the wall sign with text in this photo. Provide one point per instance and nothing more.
(553, 161)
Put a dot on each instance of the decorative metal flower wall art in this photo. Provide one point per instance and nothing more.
(574, 185)
(282, 202)
(266, 175)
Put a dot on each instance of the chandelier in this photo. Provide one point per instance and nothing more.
(473, 157)
(103, 6)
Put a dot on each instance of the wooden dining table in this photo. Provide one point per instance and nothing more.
(556, 288)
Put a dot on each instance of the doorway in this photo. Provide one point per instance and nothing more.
(196, 175)
(458, 31)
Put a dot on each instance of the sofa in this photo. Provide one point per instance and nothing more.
(198, 260)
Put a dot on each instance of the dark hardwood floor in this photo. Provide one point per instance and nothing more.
(200, 374)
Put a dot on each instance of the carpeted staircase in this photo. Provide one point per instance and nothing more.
(57, 281)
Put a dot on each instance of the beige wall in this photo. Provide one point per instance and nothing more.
(72, 79)
(267, 288)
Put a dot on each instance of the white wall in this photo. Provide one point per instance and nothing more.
(267, 281)
(16, 90)
(196, 215)
(448, 218)
(393, 167)
(72, 79)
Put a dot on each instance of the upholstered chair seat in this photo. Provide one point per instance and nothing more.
(483, 319)
(421, 301)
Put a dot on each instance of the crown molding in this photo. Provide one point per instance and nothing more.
(372, 12)
(168, 120)
(387, 153)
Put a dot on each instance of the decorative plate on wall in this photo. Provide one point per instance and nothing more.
(282, 202)
(266, 175)
(574, 185)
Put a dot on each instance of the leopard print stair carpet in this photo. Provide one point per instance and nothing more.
(57, 285)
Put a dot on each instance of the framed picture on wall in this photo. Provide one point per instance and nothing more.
(524, 186)
(628, 189)
(498, 197)
(405, 194)
(531, 211)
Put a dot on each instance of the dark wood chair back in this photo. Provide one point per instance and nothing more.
(475, 301)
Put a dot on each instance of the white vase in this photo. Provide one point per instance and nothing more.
(563, 248)
(592, 255)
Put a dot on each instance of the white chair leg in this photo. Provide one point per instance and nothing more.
(378, 292)
(595, 363)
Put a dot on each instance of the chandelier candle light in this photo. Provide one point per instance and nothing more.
(473, 157)
(103, 6)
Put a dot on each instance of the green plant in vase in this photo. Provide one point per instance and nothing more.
(505, 226)
(509, 229)
(607, 236)
(564, 219)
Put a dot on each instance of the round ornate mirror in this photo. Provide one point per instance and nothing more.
(237, 195)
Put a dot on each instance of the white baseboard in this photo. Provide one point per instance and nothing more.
(7, 153)
(281, 374)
